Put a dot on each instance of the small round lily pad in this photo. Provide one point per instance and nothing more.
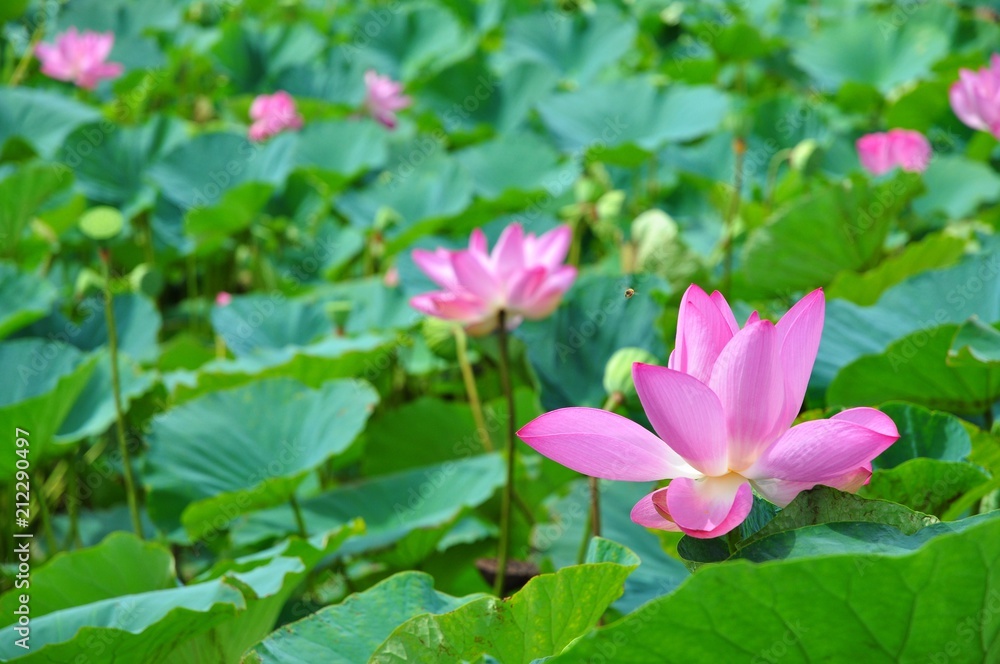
(102, 223)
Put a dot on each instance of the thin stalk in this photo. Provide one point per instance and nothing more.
(299, 521)
(43, 509)
(613, 401)
(72, 504)
(988, 418)
(22, 66)
(116, 389)
(508, 489)
(470, 389)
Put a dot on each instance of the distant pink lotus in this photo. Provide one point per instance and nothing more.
(881, 152)
(524, 276)
(223, 299)
(975, 97)
(273, 114)
(723, 409)
(79, 58)
(384, 97)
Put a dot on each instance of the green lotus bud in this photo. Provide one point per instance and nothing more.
(610, 204)
(146, 279)
(585, 189)
(385, 217)
(86, 281)
(805, 156)
(618, 371)
(102, 223)
(440, 337)
(339, 311)
(654, 232)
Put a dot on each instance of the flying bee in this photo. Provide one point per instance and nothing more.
(629, 292)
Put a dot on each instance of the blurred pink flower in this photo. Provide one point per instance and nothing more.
(391, 277)
(723, 409)
(523, 276)
(384, 97)
(881, 152)
(272, 114)
(79, 58)
(975, 97)
(223, 299)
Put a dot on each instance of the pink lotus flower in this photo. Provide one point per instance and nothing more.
(384, 97)
(975, 97)
(523, 276)
(79, 58)
(881, 152)
(223, 299)
(723, 409)
(272, 114)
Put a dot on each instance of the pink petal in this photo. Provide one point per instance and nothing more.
(550, 294)
(749, 381)
(525, 286)
(799, 332)
(450, 306)
(601, 444)
(550, 248)
(710, 506)
(436, 265)
(474, 276)
(686, 415)
(702, 333)
(508, 254)
(651, 512)
(822, 450)
(911, 151)
(720, 302)
(477, 242)
(874, 153)
(869, 418)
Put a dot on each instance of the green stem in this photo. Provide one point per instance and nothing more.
(508, 489)
(470, 389)
(739, 150)
(72, 504)
(299, 521)
(43, 509)
(116, 389)
(613, 401)
(22, 66)
(988, 418)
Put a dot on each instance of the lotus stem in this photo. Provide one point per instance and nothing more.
(43, 509)
(470, 389)
(116, 389)
(613, 401)
(299, 521)
(508, 489)
(739, 151)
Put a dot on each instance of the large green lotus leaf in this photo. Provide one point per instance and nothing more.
(632, 112)
(577, 45)
(40, 118)
(22, 193)
(934, 251)
(975, 344)
(236, 211)
(923, 433)
(120, 565)
(94, 410)
(312, 365)
(468, 94)
(956, 187)
(409, 40)
(204, 622)
(859, 49)
(114, 169)
(350, 632)
(339, 150)
(560, 540)
(390, 505)
(538, 621)
(24, 298)
(252, 56)
(231, 452)
(516, 162)
(837, 228)
(915, 369)
(268, 321)
(435, 431)
(969, 288)
(930, 486)
(570, 348)
(893, 606)
(123, 17)
(197, 173)
(45, 378)
(422, 196)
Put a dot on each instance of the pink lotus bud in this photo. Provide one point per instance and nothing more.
(79, 58)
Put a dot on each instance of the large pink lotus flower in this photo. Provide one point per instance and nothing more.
(79, 58)
(524, 276)
(975, 97)
(722, 408)
(384, 97)
(272, 114)
(881, 152)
